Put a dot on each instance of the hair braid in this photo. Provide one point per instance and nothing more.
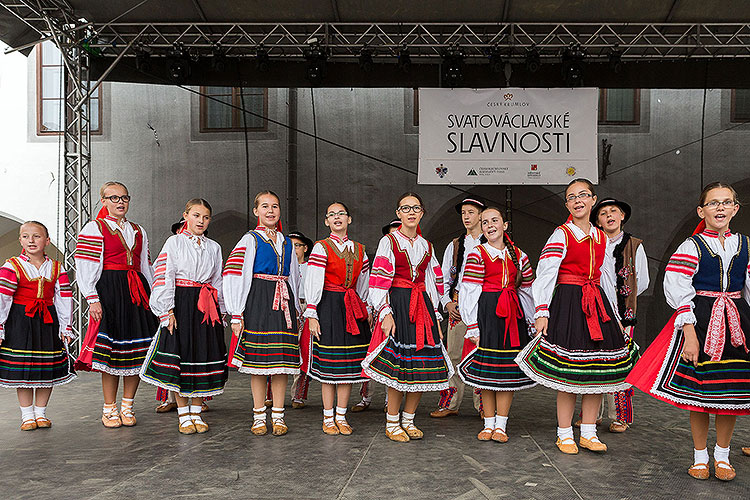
(513, 251)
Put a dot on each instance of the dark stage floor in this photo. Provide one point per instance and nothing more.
(79, 458)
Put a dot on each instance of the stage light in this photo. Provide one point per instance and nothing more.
(615, 59)
(496, 60)
(404, 59)
(143, 59)
(261, 59)
(453, 67)
(572, 65)
(316, 57)
(533, 61)
(178, 64)
(365, 59)
(218, 60)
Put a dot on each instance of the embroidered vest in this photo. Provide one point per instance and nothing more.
(29, 289)
(584, 257)
(626, 278)
(267, 260)
(403, 265)
(710, 274)
(117, 255)
(343, 268)
(499, 272)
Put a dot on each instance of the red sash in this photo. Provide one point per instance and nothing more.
(137, 292)
(592, 303)
(208, 297)
(418, 312)
(355, 308)
(508, 308)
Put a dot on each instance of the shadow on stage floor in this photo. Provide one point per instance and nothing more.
(79, 458)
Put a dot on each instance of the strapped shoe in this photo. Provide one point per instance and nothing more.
(361, 406)
(485, 434)
(127, 416)
(746, 451)
(398, 434)
(344, 427)
(29, 425)
(259, 428)
(330, 428)
(204, 407)
(43, 423)
(724, 473)
(298, 405)
(567, 446)
(698, 471)
(187, 427)
(166, 407)
(592, 444)
(200, 425)
(111, 419)
(616, 426)
(443, 412)
(500, 436)
(279, 427)
(413, 431)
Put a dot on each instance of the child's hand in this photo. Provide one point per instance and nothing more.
(314, 326)
(172, 326)
(691, 349)
(238, 327)
(541, 326)
(95, 311)
(474, 340)
(388, 325)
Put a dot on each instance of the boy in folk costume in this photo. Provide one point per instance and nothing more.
(35, 311)
(454, 260)
(261, 283)
(188, 356)
(302, 248)
(115, 276)
(624, 277)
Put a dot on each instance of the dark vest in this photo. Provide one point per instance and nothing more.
(710, 274)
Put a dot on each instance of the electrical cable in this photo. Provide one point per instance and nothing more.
(315, 147)
(247, 150)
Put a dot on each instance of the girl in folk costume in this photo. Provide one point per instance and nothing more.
(498, 309)
(700, 361)
(35, 310)
(406, 351)
(188, 355)
(581, 348)
(260, 289)
(114, 274)
(337, 317)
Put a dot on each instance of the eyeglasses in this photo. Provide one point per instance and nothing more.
(116, 199)
(406, 209)
(342, 213)
(713, 205)
(582, 196)
(299, 245)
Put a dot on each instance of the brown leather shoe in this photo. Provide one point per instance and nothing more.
(269, 403)
(344, 427)
(166, 407)
(43, 423)
(592, 444)
(698, 471)
(111, 419)
(204, 407)
(567, 446)
(399, 435)
(723, 473)
(200, 425)
(298, 405)
(128, 418)
(443, 412)
(500, 436)
(187, 428)
(330, 428)
(485, 434)
(618, 426)
(259, 428)
(746, 451)
(413, 431)
(28, 425)
(361, 406)
(279, 427)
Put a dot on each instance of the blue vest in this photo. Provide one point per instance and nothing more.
(267, 261)
(710, 275)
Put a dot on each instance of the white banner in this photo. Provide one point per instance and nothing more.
(507, 136)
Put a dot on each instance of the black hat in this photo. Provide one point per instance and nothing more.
(304, 239)
(470, 201)
(387, 228)
(610, 201)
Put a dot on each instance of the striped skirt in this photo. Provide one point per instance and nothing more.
(32, 354)
(396, 362)
(267, 346)
(191, 361)
(568, 360)
(492, 364)
(126, 330)
(336, 358)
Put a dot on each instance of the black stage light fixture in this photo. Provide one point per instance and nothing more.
(218, 59)
(453, 67)
(496, 60)
(404, 59)
(178, 64)
(316, 57)
(533, 61)
(143, 59)
(261, 59)
(615, 59)
(572, 65)
(365, 59)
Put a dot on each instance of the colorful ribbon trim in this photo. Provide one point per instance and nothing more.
(724, 307)
(280, 296)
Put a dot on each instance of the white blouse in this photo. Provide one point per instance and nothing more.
(684, 263)
(63, 300)
(316, 271)
(89, 255)
(238, 273)
(470, 243)
(609, 276)
(383, 269)
(188, 257)
(471, 286)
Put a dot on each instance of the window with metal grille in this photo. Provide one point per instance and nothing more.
(221, 109)
(740, 105)
(619, 106)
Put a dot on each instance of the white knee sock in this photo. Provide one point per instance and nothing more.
(340, 414)
(565, 432)
(27, 413)
(407, 419)
(391, 422)
(40, 411)
(501, 422)
(700, 456)
(720, 455)
(588, 431)
(489, 423)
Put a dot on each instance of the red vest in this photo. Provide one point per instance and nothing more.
(35, 294)
(499, 272)
(583, 257)
(117, 255)
(403, 266)
(343, 268)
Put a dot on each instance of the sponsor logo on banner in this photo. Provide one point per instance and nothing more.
(533, 172)
(441, 171)
(571, 170)
(472, 172)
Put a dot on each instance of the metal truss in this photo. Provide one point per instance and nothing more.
(429, 40)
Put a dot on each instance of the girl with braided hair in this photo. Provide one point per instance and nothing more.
(498, 309)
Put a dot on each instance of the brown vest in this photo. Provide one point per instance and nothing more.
(627, 284)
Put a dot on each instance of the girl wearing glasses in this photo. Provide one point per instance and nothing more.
(406, 351)
(337, 317)
(261, 281)
(581, 348)
(700, 361)
(114, 274)
(188, 354)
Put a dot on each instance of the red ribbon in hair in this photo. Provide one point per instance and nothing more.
(700, 227)
(103, 213)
